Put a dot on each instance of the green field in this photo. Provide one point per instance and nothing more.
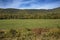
(28, 23)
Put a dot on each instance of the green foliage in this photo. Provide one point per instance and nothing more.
(30, 14)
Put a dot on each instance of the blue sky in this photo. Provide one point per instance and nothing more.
(30, 4)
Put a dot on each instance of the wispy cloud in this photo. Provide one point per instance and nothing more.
(30, 4)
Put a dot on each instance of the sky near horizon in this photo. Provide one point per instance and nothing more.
(30, 4)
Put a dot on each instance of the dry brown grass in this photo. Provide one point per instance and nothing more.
(31, 34)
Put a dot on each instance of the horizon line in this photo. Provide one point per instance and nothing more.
(31, 8)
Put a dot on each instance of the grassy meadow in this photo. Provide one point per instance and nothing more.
(28, 23)
(30, 29)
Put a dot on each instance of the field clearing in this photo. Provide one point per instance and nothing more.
(28, 23)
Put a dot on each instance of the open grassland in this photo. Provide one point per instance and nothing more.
(28, 23)
(19, 29)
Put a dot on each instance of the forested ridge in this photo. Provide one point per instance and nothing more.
(11, 13)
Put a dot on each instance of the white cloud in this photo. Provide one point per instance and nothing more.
(34, 4)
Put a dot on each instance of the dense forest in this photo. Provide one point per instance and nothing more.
(30, 13)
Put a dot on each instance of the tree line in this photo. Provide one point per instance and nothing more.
(30, 14)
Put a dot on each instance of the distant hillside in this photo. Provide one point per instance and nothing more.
(11, 13)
